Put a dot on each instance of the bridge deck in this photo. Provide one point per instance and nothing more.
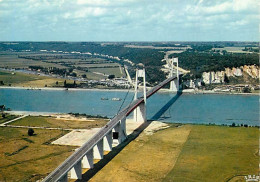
(64, 168)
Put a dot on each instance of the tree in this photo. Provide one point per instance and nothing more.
(74, 74)
(111, 76)
(65, 83)
(30, 132)
(233, 125)
(57, 82)
(84, 76)
(226, 80)
(246, 90)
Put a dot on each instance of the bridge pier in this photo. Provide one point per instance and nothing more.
(76, 171)
(140, 113)
(174, 85)
(108, 140)
(87, 160)
(120, 131)
(99, 150)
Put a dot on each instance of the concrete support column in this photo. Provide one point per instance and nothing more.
(76, 171)
(174, 85)
(122, 132)
(140, 113)
(108, 140)
(116, 130)
(64, 178)
(87, 161)
(99, 150)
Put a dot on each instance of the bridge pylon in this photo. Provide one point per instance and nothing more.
(140, 111)
(174, 85)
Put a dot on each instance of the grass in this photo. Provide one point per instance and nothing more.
(12, 61)
(27, 80)
(147, 158)
(31, 159)
(7, 117)
(215, 153)
(109, 71)
(191, 153)
(41, 121)
(232, 49)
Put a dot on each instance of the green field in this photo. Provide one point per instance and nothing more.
(12, 61)
(109, 71)
(29, 158)
(13, 78)
(27, 80)
(51, 122)
(7, 117)
(215, 153)
(233, 49)
(190, 153)
(80, 66)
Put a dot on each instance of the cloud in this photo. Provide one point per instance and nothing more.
(127, 19)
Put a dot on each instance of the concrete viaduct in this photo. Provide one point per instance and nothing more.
(102, 141)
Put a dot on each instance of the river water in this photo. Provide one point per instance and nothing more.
(166, 107)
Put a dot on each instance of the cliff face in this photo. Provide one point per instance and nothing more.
(219, 76)
(213, 77)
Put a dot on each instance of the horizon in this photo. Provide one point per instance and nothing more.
(50, 41)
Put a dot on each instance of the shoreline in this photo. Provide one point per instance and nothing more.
(186, 91)
(52, 114)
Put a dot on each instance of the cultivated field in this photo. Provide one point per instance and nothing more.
(7, 117)
(29, 158)
(27, 80)
(65, 123)
(188, 153)
(233, 49)
(12, 61)
(86, 66)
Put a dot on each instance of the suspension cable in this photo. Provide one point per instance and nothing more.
(123, 101)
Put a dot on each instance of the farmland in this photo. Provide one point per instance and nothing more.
(90, 68)
(27, 80)
(187, 153)
(15, 145)
(53, 122)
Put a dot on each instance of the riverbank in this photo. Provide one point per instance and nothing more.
(167, 106)
(185, 91)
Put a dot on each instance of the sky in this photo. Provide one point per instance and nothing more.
(129, 20)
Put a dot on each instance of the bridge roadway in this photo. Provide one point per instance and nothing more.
(68, 164)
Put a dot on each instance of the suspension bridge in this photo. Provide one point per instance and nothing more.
(115, 129)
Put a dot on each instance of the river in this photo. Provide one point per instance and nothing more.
(166, 107)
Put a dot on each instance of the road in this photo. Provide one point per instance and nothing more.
(64, 168)
(4, 124)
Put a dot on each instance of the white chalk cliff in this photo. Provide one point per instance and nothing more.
(218, 77)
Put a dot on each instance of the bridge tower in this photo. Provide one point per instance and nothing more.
(174, 85)
(140, 111)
